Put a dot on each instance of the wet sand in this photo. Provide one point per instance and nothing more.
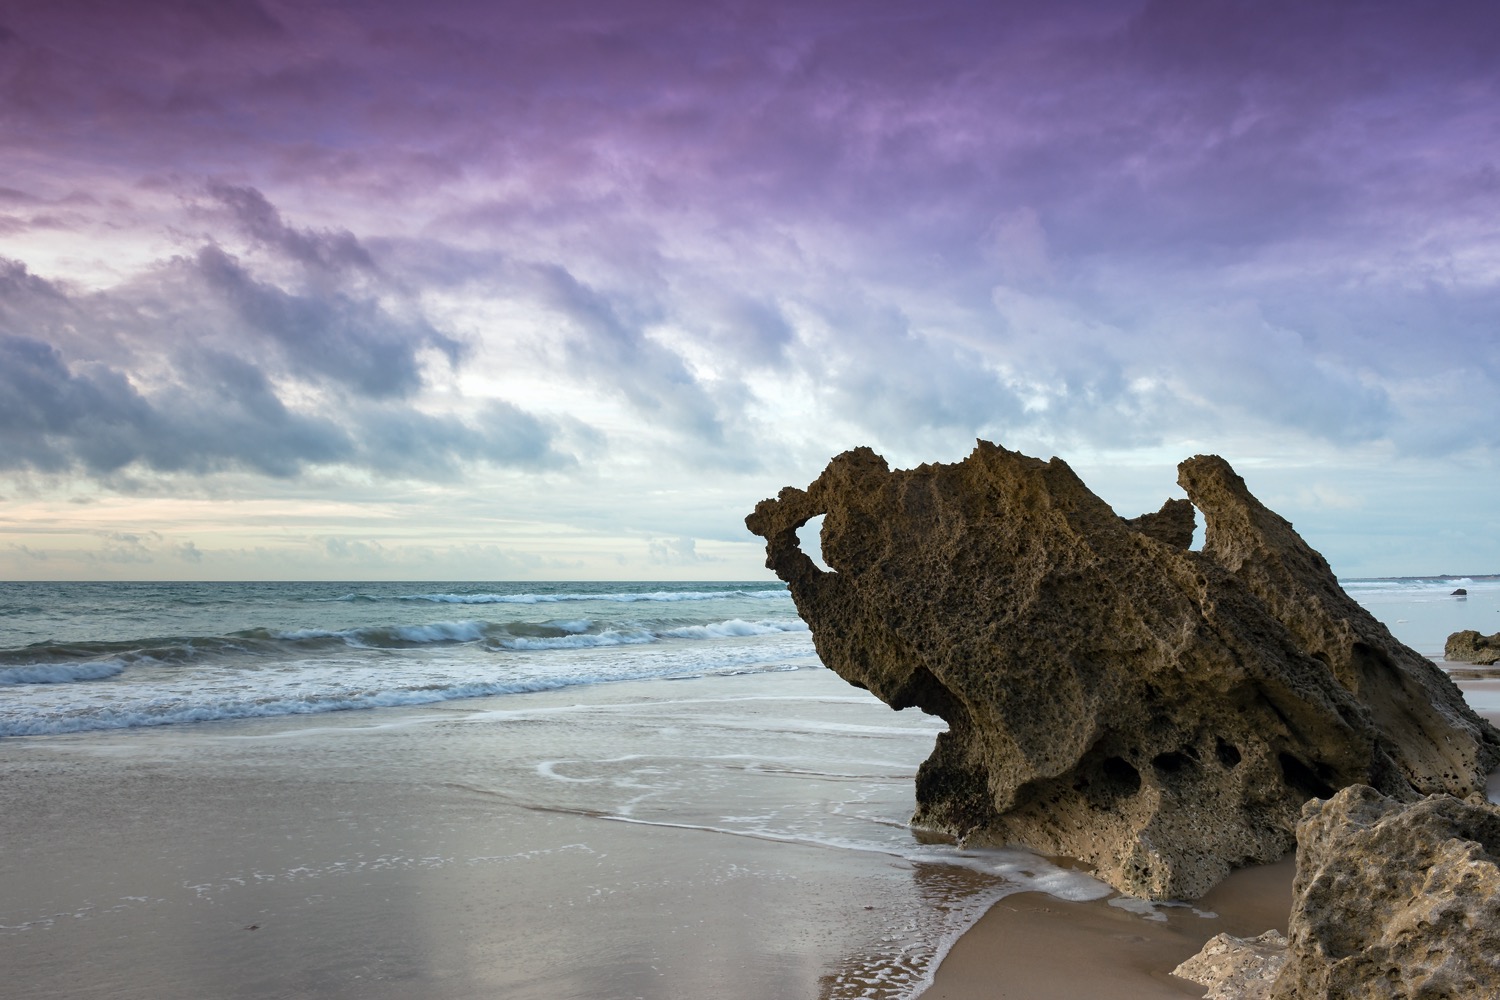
(737, 838)
(1034, 947)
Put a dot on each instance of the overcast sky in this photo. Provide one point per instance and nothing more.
(503, 290)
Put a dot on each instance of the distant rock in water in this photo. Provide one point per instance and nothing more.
(1110, 694)
(1460, 592)
(1394, 900)
(1469, 646)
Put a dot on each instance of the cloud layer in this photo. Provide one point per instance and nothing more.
(621, 250)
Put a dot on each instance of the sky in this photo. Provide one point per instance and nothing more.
(509, 291)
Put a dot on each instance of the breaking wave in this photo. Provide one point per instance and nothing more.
(661, 596)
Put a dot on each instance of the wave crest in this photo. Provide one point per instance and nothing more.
(60, 673)
(617, 598)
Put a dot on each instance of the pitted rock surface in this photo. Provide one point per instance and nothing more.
(1235, 968)
(1110, 694)
(1470, 646)
(1395, 901)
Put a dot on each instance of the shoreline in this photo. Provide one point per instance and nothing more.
(640, 839)
(319, 856)
(1012, 952)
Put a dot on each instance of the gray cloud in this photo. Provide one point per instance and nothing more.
(225, 414)
(58, 417)
(877, 372)
(164, 374)
(333, 336)
(405, 442)
(680, 551)
(613, 349)
(332, 252)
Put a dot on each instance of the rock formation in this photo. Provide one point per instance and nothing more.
(1237, 968)
(1395, 901)
(1469, 646)
(1111, 695)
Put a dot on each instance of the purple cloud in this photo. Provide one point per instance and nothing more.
(1107, 225)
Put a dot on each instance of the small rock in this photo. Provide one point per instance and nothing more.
(1460, 592)
(1469, 646)
(1237, 968)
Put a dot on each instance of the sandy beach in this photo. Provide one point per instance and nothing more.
(318, 858)
(1034, 947)
(629, 840)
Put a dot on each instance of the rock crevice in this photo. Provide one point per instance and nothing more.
(1111, 694)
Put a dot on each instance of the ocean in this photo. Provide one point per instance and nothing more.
(652, 780)
(88, 656)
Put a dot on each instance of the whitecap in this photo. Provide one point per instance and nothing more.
(60, 673)
(610, 637)
(619, 598)
(734, 628)
(466, 631)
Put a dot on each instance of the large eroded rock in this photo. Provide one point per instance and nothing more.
(1394, 901)
(1110, 694)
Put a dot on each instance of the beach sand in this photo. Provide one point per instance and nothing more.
(544, 847)
(1035, 947)
(685, 839)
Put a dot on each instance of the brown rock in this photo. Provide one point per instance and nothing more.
(1236, 968)
(1111, 695)
(1173, 524)
(1395, 900)
(1469, 646)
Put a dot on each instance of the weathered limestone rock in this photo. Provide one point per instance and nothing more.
(1236, 968)
(1110, 694)
(1395, 900)
(1469, 646)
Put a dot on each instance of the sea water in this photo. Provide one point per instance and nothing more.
(1423, 611)
(692, 710)
(87, 656)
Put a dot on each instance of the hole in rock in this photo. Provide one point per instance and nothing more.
(810, 540)
(1228, 753)
(1122, 778)
(1303, 778)
(927, 693)
(1200, 531)
(1171, 762)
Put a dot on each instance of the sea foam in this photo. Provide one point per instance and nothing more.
(60, 673)
(734, 627)
(616, 598)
